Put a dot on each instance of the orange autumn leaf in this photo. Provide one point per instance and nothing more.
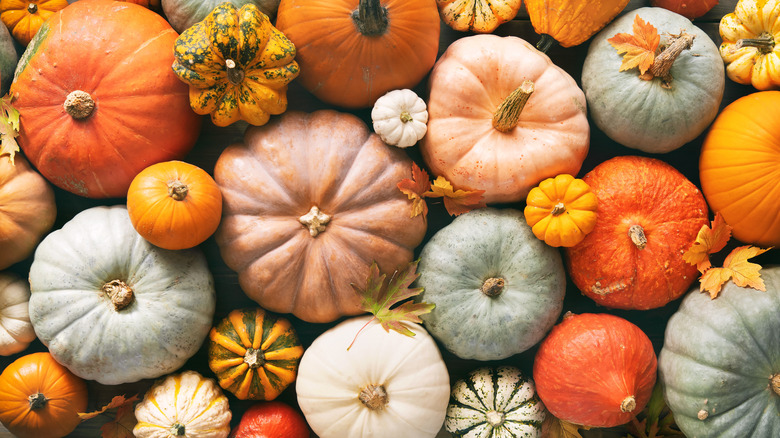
(414, 189)
(736, 268)
(708, 241)
(116, 402)
(639, 48)
(455, 201)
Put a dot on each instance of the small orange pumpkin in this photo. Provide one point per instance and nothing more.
(561, 210)
(25, 17)
(570, 22)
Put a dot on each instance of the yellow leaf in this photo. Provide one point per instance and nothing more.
(708, 241)
(639, 48)
(9, 128)
(553, 427)
(737, 268)
(455, 201)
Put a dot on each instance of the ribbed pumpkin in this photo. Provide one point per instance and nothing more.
(750, 43)
(482, 16)
(689, 9)
(111, 106)
(16, 331)
(254, 354)
(25, 17)
(570, 22)
(561, 210)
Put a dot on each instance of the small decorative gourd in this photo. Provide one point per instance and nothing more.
(561, 210)
(25, 17)
(16, 331)
(750, 44)
(481, 16)
(570, 22)
(400, 118)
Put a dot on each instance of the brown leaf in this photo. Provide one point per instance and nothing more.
(116, 402)
(708, 241)
(639, 48)
(9, 128)
(736, 268)
(414, 189)
(121, 426)
(455, 201)
(553, 427)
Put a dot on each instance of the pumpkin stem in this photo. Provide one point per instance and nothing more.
(493, 287)
(315, 221)
(32, 8)
(374, 397)
(663, 62)
(495, 418)
(508, 113)
(546, 42)
(119, 292)
(637, 235)
(775, 379)
(234, 74)
(370, 17)
(702, 414)
(37, 401)
(628, 404)
(254, 358)
(406, 117)
(559, 209)
(177, 190)
(178, 429)
(764, 43)
(79, 104)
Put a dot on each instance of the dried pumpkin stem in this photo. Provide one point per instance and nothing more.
(234, 74)
(119, 292)
(32, 8)
(315, 221)
(663, 62)
(765, 43)
(558, 209)
(37, 401)
(370, 17)
(254, 358)
(178, 190)
(508, 113)
(374, 397)
(637, 235)
(775, 383)
(79, 104)
(628, 404)
(493, 287)
(178, 430)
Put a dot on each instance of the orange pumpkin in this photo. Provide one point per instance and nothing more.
(174, 205)
(739, 168)
(570, 22)
(40, 398)
(25, 17)
(353, 51)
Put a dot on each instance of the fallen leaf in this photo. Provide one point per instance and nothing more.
(736, 268)
(638, 49)
(414, 188)
(121, 426)
(553, 427)
(455, 201)
(9, 128)
(709, 241)
(116, 402)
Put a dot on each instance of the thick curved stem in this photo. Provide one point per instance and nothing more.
(546, 42)
(663, 62)
(370, 17)
(507, 114)
(765, 43)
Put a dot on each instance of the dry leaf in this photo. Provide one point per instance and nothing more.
(708, 241)
(121, 426)
(737, 268)
(553, 427)
(415, 188)
(638, 49)
(455, 201)
(115, 402)
(9, 128)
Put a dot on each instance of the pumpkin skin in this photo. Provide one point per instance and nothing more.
(16, 331)
(561, 210)
(38, 373)
(254, 354)
(386, 383)
(269, 186)
(739, 167)
(28, 211)
(8, 59)
(720, 362)
(25, 17)
(482, 16)
(649, 214)
(343, 63)
(689, 9)
(596, 370)
(271, 419)
(757, 61)
(182, 14)
(642, 114)
(174, 205)
(551, 137)
(570, 23)
(487, 268)
(141, 113)
(81, 309)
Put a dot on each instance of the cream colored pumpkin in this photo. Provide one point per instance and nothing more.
(16, 332)
(400, 118)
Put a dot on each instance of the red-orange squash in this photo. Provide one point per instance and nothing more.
(98, 100)
(271, 419)
(648, 215)
(689, 9)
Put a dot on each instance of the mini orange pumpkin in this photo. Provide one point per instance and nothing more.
(561, 210)
(25, 17)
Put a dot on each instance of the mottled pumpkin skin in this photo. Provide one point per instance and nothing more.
(482, 16)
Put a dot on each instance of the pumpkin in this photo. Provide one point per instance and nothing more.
(596, 370)
(719, 362)
(739, 167)
(387, 383)
(649, 214)
(352, 52)
(310, 201)
(183, 405)
(174, 205)
(111, 106)
(237, 65)
(254, 354)
(667, 111)
(150, 4)
(103, 297)
(183, 14)
(487, 268)
(271, 419)
(8, 59)
(400, 117)
(495, 131)
(493, 403)
(16, 332)
(689, 9)
(28, 209)
(482, 16)
(570, 23)
(749, 44)
(561, 210)
(39, 397)
(24, 17)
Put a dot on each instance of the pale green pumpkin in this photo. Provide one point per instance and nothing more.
(8, 59)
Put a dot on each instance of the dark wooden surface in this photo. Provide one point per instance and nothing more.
(229, 296)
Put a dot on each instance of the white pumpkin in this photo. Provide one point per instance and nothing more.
(114, 308)
(400, 118)
(386, 386)
(16, 332)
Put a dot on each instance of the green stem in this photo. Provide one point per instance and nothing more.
(546, 42)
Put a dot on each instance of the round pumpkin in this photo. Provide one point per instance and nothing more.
(493, 132)
(661, 113)
(182, 14)
(739, 168)
(310, 200)
(353, 51)
(16, 331)
(570, 23)
(174, 205)
(273, 420)
(103, 298)
(40, 398)
(720, 362)
(689, 9)
(111, 106)
(8, 59)
(498, 290)
(749, 46)
(561, 210)
(400, 117)
(25, 17)
(596, 370)
(649, 214)
(482, 16)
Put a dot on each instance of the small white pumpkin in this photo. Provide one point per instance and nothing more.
(386, 386)
(183, 405)
(16, 332)
(400, 118)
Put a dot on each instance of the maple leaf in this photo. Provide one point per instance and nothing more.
(121, 426)
(455, 201)
(414, 188)
(736, 268)
(553, 427)
(708, 241)
(116, 402)
(9, 128)
(379, 299)
(639, 48)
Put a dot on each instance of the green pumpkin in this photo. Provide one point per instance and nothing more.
(8, 59)
(497, 288)
(182, 14)
(720, 363)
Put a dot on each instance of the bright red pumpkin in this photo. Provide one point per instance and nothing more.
(689, 9)
(271, 420)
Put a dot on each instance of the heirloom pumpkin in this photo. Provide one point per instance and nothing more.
(111, 106)
(749, 47)
(648, 215)
(513, 119)
(103, 298)
(487, 268)
(353, 51)
(739, 168)
(561, 210)
(40, 398)
(272, 420)
(570, 22)
(24, 17)
(16, 331)
(183, 14)
(386, 383)
(310, 200)
(400, 118)
(482, 16)
(720, 362)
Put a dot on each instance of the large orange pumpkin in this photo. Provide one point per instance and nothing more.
(353, 51)
(739, 168)
(98, 100)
